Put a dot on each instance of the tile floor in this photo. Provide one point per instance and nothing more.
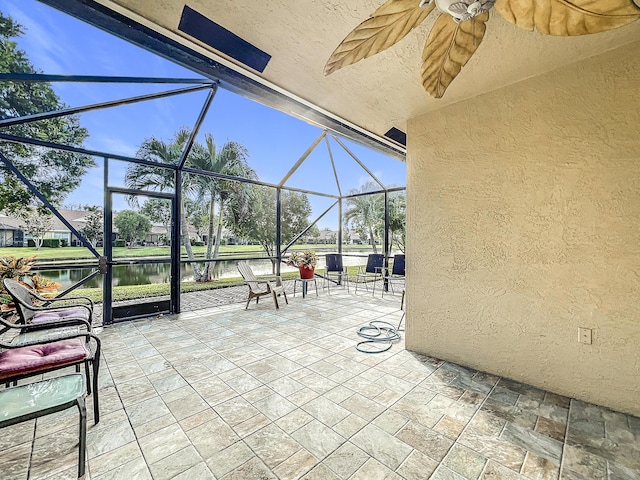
(231, 394)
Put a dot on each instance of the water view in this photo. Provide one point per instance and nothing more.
(126, 275)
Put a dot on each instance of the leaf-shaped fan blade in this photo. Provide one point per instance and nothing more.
(568, 17)
(388, 25)
(449, 47)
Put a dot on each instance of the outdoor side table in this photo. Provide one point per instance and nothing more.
(26, 402)
(305, 284)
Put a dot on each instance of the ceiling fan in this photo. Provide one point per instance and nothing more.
(461, 25)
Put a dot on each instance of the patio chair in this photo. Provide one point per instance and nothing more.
(35, 311)
(335, 270)
(30, 359)
(26, 402)
(373, 270)
(264, 286)
(397, 272)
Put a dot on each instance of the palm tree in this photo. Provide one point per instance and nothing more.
(147, 177)
(231, 159)
(365, 212)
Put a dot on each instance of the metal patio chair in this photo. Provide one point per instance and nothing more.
(397, 273)
(373, 270)
(18, 362)
(34, 311)
(258, 287)
(26, 402)
(335, 271)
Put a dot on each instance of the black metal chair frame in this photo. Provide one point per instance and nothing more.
(335, 269)
(375, 264)
(93, 359)
(397, 272)
(23, 299)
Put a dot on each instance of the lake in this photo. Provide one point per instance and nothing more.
(124, 275)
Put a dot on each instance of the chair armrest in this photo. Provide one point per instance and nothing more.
(270, 278)
(66, 322)
(60, 299)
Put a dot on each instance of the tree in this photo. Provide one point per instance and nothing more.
(54, 173)
(92, 229)
(254, 217)
(365, 213)
(37, 225)
(148, 177)
(231, 159)
(398, 219)
(197, 215)
(132, 226)
(158, 211)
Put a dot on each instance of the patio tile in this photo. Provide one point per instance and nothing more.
(362, 406)
(296, 465)
(15, 461)
(230, 458)
(272, 445)
(211, 437)
(425, 440)
(326, 411)
(115, 458)
(294, 420)
(417, 466)
(346, 460)
(238, 394)
(137, 469)
(318, 439)
(254, 468)
(251, 425)
(274, 406)
(103, 440)
(320, 472)
(350, 425)
(174, 464)
(374, 470)
(235, 411)
(163, 443)
(386, 448)
(464, 462)
(199, 471)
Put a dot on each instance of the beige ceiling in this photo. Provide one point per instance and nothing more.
(380, 92)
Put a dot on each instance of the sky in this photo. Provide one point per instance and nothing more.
(59, 44)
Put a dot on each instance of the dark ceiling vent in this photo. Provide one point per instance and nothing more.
(218, 37)
(397, 136)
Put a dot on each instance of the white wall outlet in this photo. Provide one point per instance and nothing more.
(585, 335)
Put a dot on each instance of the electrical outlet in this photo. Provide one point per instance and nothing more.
(585, 335)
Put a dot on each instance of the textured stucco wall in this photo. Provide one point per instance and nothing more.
(524, 224)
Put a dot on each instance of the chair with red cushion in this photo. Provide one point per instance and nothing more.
(27, 360)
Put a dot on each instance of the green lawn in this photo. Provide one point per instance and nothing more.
(81, 253)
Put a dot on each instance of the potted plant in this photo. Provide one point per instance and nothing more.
(305, 261)
(19, 269)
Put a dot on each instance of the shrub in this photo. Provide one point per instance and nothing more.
(51, 242)
(198, 244)
(120, 243)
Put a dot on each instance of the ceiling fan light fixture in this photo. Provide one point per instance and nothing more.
(461, 10)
